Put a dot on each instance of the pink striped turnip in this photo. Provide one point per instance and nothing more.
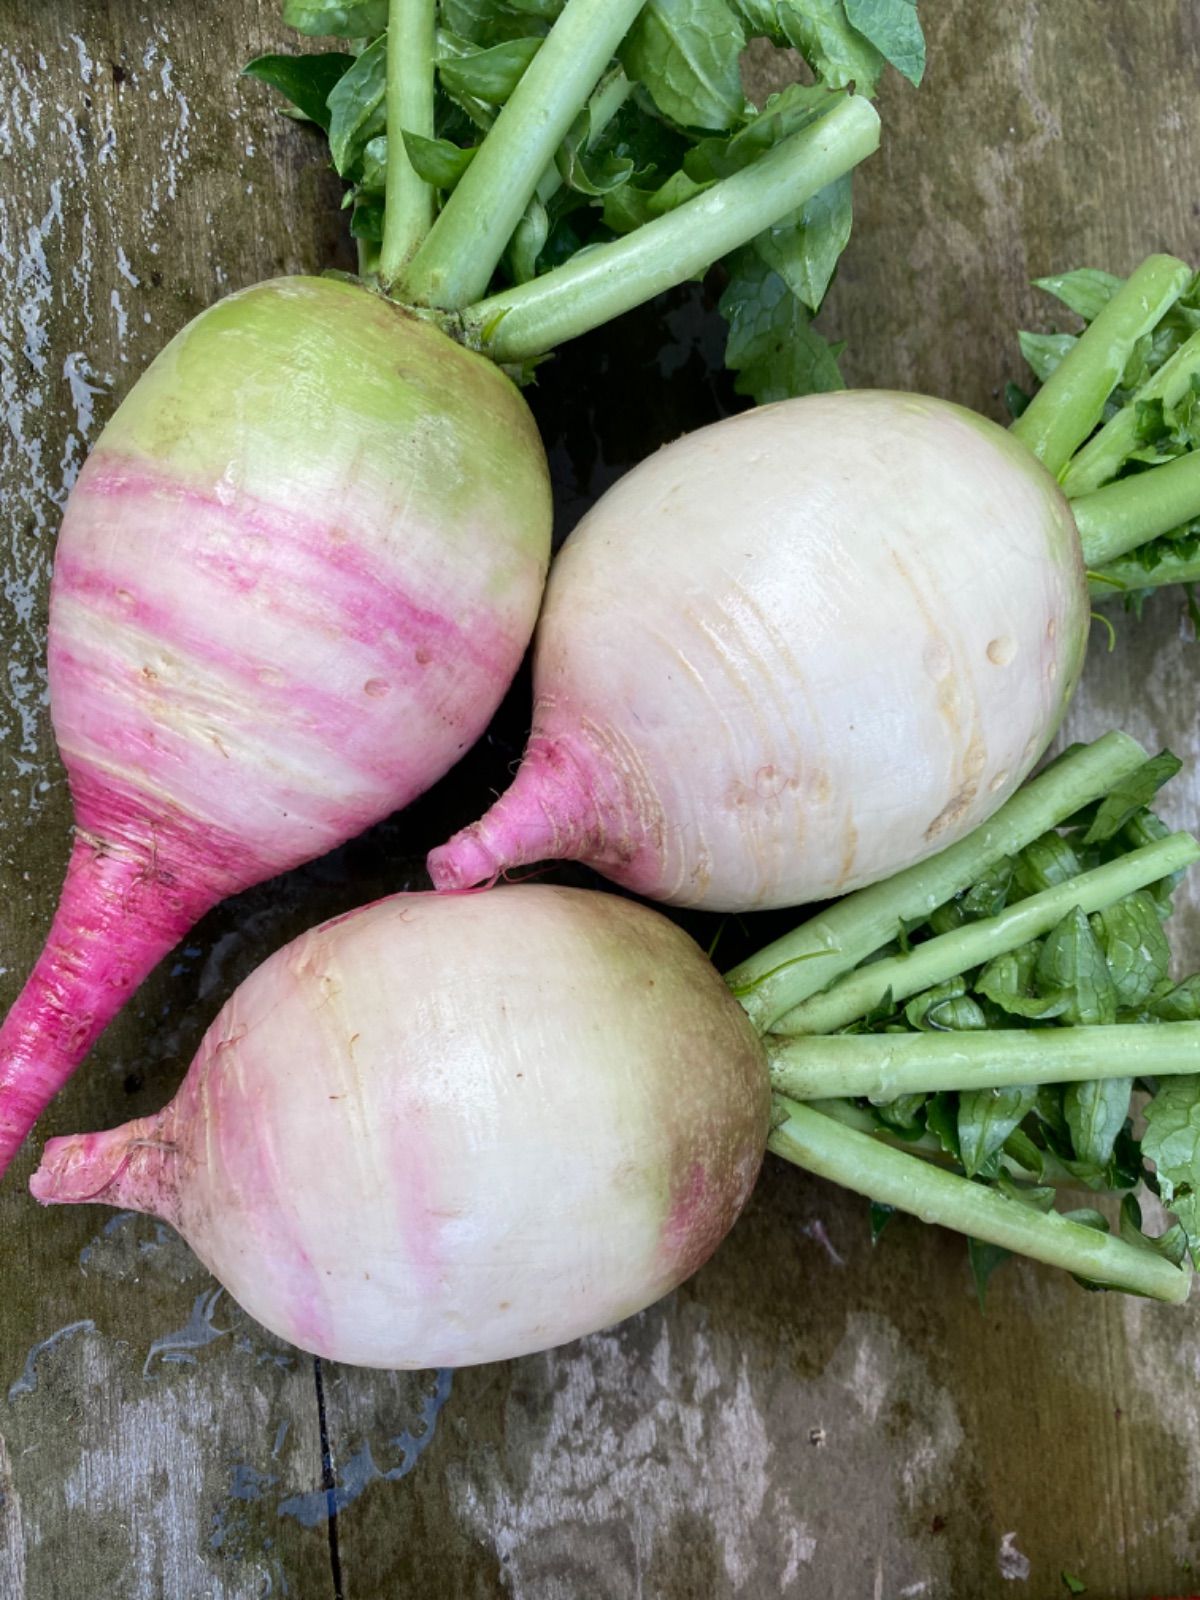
(444, 1130)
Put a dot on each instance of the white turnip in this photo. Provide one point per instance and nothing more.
(798, 650)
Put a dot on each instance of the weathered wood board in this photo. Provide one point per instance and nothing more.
(807, 1417)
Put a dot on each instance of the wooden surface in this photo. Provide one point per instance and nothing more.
(805, 1418)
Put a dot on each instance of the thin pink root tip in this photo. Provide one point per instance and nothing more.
(462, 862)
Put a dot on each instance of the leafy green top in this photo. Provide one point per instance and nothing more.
(1112, 967)
(1151, 418)
(668, 119)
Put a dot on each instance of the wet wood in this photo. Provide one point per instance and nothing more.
(809, 1416)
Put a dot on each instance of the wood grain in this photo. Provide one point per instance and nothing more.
(808, 1417)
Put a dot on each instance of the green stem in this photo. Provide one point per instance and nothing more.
(791, 969)
(408, 213)
(599, 284)
(1116, 519)
(1131, 573)
(1104, 456)
(893, 1177)
(455, 264)
(881, 1066)
(970, 945)
(1071, 402)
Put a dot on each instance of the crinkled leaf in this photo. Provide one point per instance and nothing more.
(1135, 946)
(356, 107)
(307, 81)
(1085, 291)
(1071, 963)
(489, 75)
(437, 161)
(483, 23)
(1131, 794)
(772, 345)
(583, 172)
(894, 29)
(1181, 1004)
(836, 51)
(1045, 863)
(341, 19)
(1172, 1142)
(984, 1259)
(1044, 351)
(1096, 1113)
(686, 52)
(986, 1117)
(1172, 1244)
(761, 18)
(1009, 981)
(804, 247)
(945, 1008)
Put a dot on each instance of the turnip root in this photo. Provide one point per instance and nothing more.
(445, 1130)
(302, 565)
(803, 648)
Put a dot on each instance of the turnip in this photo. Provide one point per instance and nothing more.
(809, 645)
(454, 1128)
(451, 1129)
(304, 560)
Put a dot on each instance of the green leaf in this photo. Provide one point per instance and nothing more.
(986, 1117)
(1096, 1114)
(1172, 1244)
(945, 1008)
(1135, 947)
(437, 161)
(307, 81)
(1020, 1148)
(893, 28)
(356, 107)
(482, 23)
(1181, 1004)
(343, 19)
(836, 51)
(984, 1259)
(772, 345)
(1086, 291)
(1009, 981)
(686, 53)
(1073, 1584)
(1130, 795)
(803, 248)
(1045, 863)
(903, 1114)
(1172, 1142)
(586, 174)
(1044, 351)
(366, 220)
(1072, 963)
(373, 168)
(881, 1215)
(941, 1118)
(528, 241)
(489, 75)
(761, 18)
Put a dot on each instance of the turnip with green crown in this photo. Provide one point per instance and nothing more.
(303, 562)
(805, 647)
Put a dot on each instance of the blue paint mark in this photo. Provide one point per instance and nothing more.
(361, 1469)
(109, 1228)
(28, 1381)
(280, 1437)
(197, 1332)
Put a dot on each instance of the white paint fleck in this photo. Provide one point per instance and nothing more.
(799, 1547)
(1014, 1567)
(12, 1532)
